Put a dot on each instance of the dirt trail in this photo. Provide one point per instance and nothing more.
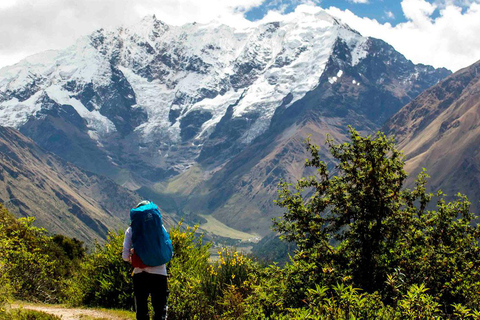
(69, 314)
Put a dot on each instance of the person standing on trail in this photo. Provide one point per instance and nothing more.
(147, 246)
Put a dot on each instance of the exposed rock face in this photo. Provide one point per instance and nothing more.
(63, 198)
(362, 95)
(440, 131)
(208, 117)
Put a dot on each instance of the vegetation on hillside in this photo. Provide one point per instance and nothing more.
(33, 265)
(366, 248)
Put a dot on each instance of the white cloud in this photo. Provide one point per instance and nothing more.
(389, 15)
(30, 26)
(360, 1)
(418, 11)
(7, 4)
(275, 15)
(450, 40)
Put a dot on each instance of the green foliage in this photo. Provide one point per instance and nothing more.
(228, 283)
(358, 208)
(362, 227)
(417, 304)
(5, 287)
(441, 250)
(345, 302)
(68, 252)
(104, 279)
(187, 268)
(269, 293)
(232, 269)
(27, 259)
(272, 249)
(24, 314)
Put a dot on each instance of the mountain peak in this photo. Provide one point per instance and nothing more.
(165, 85)
(151, 20)
(151, 101)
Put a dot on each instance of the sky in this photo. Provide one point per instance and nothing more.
(442, 33)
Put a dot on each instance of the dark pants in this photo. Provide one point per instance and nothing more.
(145, 284)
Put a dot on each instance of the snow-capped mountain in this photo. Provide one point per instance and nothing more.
(148, 102)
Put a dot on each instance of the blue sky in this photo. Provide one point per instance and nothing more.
(382, 11)
(442, 33)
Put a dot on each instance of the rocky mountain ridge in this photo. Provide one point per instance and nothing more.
(439, 131)
(208, 118)
(62, 198)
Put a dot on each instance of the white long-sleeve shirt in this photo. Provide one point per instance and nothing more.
(127, 245)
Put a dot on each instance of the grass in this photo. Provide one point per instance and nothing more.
(26, 310)
(218, 228)
(185, 182)
(21, 314)
(120, 314)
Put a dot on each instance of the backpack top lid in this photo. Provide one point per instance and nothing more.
(149, 238)
(142, 203)
(142, 213)
(142, 207)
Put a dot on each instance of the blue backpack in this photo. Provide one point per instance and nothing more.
(150, 240)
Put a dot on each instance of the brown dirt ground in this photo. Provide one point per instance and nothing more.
(69, 313)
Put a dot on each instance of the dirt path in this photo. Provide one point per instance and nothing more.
(68, 313)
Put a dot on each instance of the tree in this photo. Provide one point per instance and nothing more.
(361, 224)
(358, 208)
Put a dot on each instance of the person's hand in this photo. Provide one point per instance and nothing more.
(131, 254)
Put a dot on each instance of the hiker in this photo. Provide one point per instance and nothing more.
(148, 248)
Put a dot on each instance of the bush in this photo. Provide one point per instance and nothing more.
(228, 283)
(187, 269)
(363, 225)
(104, 279)
(26, 262)
(5, 287)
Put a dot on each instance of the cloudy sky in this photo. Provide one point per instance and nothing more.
(442, 33)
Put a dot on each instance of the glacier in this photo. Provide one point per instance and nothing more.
(181, 69)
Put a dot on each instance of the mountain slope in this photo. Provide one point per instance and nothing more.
(241, 193)
(440, 131)
(151, 99)
(207, 118)
(63, 198)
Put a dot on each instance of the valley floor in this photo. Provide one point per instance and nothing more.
(218, 228)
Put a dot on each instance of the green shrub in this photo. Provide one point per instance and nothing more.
(5, 287)
(229, 283)
(104, 279)
(363, 225)
(187, 269)
(269, 295)
(24, 314)
(441, 249)
(231, 269)
(26, 260)
(33, 265)
(418, 304)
